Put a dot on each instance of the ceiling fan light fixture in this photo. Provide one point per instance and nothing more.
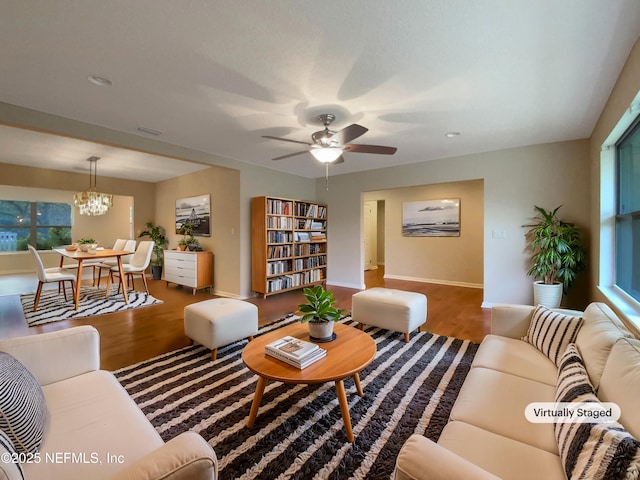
(326, 154)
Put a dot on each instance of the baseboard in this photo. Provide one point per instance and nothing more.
(347, 285)
(430, 280)
(222, 293)
(6, 273)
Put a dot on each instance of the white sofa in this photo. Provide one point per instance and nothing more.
(93, 428)
(488, 436)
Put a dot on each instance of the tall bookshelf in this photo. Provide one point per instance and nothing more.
(288, 244)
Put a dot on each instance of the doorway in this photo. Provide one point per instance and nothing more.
(373, 219)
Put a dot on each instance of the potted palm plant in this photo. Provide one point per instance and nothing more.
(557, 255)
(156, 233)
(320, 312)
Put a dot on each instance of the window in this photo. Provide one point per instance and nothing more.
(40, 224)
(627, 232)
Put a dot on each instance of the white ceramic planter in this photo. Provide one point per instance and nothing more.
(321, 330)
(547, 295)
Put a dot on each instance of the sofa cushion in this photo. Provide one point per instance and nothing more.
(92, 417)
(496, 402)
(187, 456)
(598, 451)
(551, 331)
(600, 330)
(10, 467)
(516, 357)
(23, 411)
(502, 456)
(620, 382)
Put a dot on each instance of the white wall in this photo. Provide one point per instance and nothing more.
(514, 181)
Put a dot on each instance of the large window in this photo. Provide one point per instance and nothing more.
(40, 224)
(627, 271)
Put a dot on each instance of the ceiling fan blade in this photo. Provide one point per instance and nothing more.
(285, 140)
(379, 149)
(349, 133)
(290, 155)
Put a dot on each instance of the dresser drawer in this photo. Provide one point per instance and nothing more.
(171, 263)
(188, 281)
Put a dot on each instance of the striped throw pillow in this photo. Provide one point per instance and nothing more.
(551, 332)
(10, 468)
(22, 406)
(595, 451)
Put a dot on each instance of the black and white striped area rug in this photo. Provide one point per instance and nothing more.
(409, 388)
(52, 306)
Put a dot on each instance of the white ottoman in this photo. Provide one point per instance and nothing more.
(391, 309)
(221, 321)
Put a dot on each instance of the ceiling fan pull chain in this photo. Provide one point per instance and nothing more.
(326, 175)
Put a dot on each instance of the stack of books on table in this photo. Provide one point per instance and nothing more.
(294, 351)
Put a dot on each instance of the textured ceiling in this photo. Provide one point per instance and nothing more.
(215, 76)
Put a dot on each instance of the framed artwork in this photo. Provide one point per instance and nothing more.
(431, 218)
(195, 211)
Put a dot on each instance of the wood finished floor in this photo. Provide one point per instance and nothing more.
(142, 333)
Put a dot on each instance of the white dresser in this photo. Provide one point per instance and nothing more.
(191, 269)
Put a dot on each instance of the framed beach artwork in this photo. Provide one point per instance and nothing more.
(195, 211)
(431, 218)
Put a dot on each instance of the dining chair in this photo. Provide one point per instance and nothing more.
(119, 244)
(138, 264)
(50, 275)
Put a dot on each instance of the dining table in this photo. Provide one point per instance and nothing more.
(95, 254)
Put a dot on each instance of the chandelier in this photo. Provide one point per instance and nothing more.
(92, 202)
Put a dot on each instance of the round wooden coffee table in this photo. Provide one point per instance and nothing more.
(347, 355)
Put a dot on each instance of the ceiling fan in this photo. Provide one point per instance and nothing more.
(328, 146)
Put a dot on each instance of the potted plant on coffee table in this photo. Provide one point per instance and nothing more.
(156, 233)
(557, 255)
(320, 312)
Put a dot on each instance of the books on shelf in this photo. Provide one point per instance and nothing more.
(277, 236)
(303, 209)
(295, 352)
(307, 224)
(279, 207)
(302, 237)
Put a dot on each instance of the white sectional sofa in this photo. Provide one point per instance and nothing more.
(488, 435)
(94, 430)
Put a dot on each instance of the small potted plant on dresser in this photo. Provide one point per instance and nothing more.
(320, 312)
(156, 233)
(186, 231)
(557, 255)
